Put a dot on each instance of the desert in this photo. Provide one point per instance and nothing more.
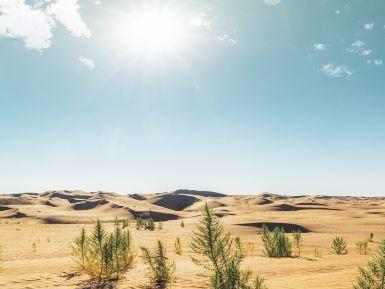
(36, 230)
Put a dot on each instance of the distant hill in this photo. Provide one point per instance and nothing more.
(206, 194)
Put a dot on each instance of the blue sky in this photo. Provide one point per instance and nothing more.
(233, 96)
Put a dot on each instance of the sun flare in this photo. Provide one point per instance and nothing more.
(154, 32)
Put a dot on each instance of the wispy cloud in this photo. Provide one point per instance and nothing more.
(336, 70)
(87, 62)
(319, 46)
(227, 39)
(200, 20)
(359, 47)
(34, 23)
(369, 26)
(376, 62)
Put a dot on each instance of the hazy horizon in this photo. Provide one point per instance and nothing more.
(132, 96)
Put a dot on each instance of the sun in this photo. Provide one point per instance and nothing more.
(154, 32)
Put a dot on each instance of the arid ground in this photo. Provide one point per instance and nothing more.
(36, 231)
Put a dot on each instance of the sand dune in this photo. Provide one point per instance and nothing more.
(52, 219)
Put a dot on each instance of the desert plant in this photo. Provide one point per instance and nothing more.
(80, 250)
(140, 223)
(116, 222)
(149, 225)
(373, 276)
(104, 257)
(178, 246)
(297, 240)
(219, 253)
(276, 243)
(317, 253)
(249, 248)
(161, 269)
(125, 224)
(259, 283)
(339, 246)
(182, 224)
(362, 247)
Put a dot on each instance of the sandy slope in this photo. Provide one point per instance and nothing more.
(52, 219)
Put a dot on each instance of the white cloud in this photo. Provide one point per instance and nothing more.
(19, 20)
(226, 39)
(319, 46)
(87, 62)
(359, 47)
(376, 62)
(67, 13)
(336, 71)
(369, 26)
(358, 44)
(200, 20)
(367, 52)
(33, 22)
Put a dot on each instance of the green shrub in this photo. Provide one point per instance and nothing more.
(362, 247)
(297, 240)
(125, 224)
(220, 254)
(339, 246)
(116, 222)
(178, 247)
(373, 276)
(259, 283)
(276, 243)
(161, 269)
(104, 257)
(149, 225)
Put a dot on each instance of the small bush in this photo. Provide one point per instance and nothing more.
(317, 253)
(339, 246)
(297, 240)
(362, 247)
(276, 243)
(161, 269)
(249, 248)
(125, 224)
(104, 257)
(178, 247)
(149, 225)
(220, 254)
(259, 283)
(373, 276)
(116, 222)
(140, 223)
(182, 224)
